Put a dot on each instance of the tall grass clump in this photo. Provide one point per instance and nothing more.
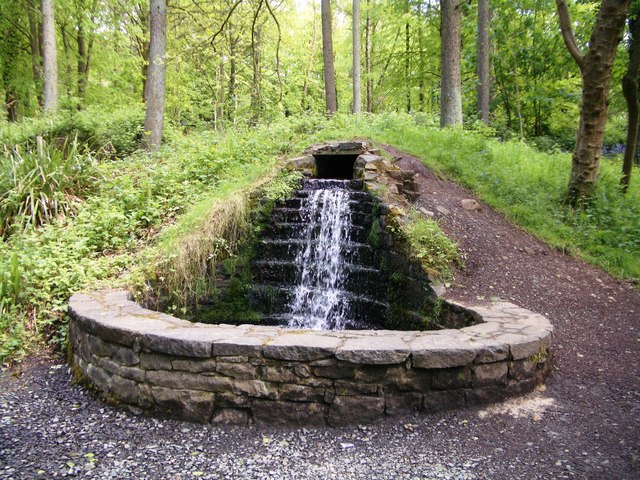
(41, 184)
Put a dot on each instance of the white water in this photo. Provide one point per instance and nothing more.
(319, 300)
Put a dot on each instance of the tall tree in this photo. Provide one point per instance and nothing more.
(595, 68)
(34, 45)
(407, 55)
(367, 58)
(49, 57)
(450, 45)
(327, 56)
(483, 60)
(357, 97)
(630, 91)
(156, 84)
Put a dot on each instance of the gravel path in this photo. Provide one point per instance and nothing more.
(584, 423)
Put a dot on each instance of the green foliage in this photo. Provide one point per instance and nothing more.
(39, 185)
(525, 184)
(430, 246)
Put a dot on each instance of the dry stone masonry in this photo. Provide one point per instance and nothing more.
(153, 362)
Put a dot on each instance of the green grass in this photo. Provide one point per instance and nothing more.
(527, 185)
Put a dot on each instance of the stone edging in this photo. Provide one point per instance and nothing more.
(153, 362)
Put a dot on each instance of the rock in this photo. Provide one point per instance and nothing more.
(301, 346)
(230, 416)
(192, 405)
(356, 409)
(371, 350)
(426, 212)
(470, 204)
(490, 374)
(442, 210)
(267, 412)
(529, 250)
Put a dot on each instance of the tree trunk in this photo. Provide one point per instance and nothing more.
(156, 76)
(49, 57)
(11, 104)
(630, 91)
(327, 56)
(595, 68)
(34, 44)
(407, 63)
(483, 60)
(232, 77)
(67, 57)
(357, 97)
(256, 47)
(367, 59)
(451, 83)
(312, 53)
(85, 45)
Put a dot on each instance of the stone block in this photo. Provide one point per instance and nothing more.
(442, 349)
(98, 347)
(124, 356)
(155, 361)
(98, 377)
(451, 378)
(184, 342)
(301, 346)
(346, 388)
(489, 394)
(278, 374)
(490, 374)
(192, 405)
(334, 371)
(245, 345)
(230, 416)
(435, 401)
(521, 369)
(242, 371)
(229, 399)
(402, 404)
(301, 393)
(374, 350)
(124, 389)
(254, 388)
(279, 413)
(355, 409)
(194, 366)
(191, 381)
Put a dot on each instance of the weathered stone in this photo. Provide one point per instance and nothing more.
(301, 163)
(229, 399)
(325, 362)
(279, 413)
(478, 396)
(302, 370)
(378, 350)
(435, 401)
(355, 409)
(154, 361)
(254, 388)
(230, 416)
(123, 389)
(190, 381)
(193, 405)
(124, 356)
(442, 349)
(184, 342)
(240, 345)
(278, 374)
(132, 373)
(490, 374)
(243, 371)
(521, 369)
(345, 388)
(194, 366)
(470, 204)
(98, 377)
(304, 346)
(99, 348)
(524, 346)
(404, 403)
(301, 393)
(451, 378)
(334, 371)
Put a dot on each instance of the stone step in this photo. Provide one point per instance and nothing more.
(359, 280)
(317, 183)
(364, 206)
(274, 303)
(285, 231)
(287, 249)
(294, 215)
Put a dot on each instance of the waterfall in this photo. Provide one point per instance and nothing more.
(319, 299)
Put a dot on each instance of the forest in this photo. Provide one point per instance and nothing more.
(125, 122)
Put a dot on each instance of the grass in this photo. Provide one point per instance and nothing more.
(151, 204)
(525, 184)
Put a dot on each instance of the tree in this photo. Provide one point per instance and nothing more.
(483, 60)
(49, 57)
(357, 97)
(450, 45)
(156, 84)
(630, 91)
(327, 56)
(595, 69)
(367, 59)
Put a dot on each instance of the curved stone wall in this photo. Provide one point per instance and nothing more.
(153, 362)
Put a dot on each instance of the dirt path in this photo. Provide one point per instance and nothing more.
(583, 424)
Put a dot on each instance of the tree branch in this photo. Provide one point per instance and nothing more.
(567, 33)
(224, 23)
(277, 48)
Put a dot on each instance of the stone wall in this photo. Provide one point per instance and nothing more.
(153, 362)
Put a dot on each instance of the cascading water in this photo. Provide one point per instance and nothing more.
(319, 299)
(315, 267)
